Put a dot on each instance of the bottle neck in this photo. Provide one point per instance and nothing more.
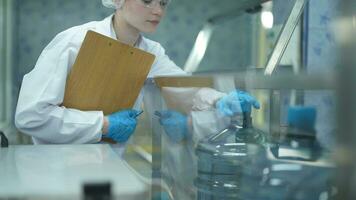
(247, 120)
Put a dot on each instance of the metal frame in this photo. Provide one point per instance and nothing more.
(345, 153)
(325, 81)
(285, 36)
(297, 82)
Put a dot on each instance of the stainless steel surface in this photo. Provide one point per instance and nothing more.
(204, 36)
(59, 172)
(285, 36)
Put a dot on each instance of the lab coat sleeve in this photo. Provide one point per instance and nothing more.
(206, 98)
(39, 112)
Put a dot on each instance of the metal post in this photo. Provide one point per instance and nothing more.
(154, 99)
(346, 116)
(275, 112)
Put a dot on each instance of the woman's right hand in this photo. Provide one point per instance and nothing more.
(121, 125)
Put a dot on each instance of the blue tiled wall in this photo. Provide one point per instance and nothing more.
(40, 20)
(321, 58)
(321, 43)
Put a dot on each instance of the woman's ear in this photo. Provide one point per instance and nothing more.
(119, 3)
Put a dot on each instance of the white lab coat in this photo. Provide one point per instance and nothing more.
(38, 111)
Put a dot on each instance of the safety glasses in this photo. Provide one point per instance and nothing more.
(152, 3)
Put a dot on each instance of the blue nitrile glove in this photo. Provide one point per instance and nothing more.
(236, 102)
(174, 124)
(122, 124)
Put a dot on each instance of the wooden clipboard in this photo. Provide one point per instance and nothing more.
(107, 75)
(184, 81)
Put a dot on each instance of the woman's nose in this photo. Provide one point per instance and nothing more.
(157, 9)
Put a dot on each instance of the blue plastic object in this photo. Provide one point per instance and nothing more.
(300, 137)
(237, 102)
(122, 125)
(174, 124)
(302, 117)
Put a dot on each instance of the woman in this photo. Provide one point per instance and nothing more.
(38, 111)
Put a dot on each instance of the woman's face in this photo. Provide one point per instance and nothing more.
(144, 15)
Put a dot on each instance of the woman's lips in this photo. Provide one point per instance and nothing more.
(154, 22)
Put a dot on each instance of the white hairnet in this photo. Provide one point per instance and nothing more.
(113, 3)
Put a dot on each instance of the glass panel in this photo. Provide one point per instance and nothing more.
(213, 147)
(2, 63)
(243, 39)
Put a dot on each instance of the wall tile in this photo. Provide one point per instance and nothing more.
(322, 58)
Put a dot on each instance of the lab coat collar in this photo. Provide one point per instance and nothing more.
(109, 25)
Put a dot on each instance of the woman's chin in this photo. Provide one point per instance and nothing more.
(150, 28)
